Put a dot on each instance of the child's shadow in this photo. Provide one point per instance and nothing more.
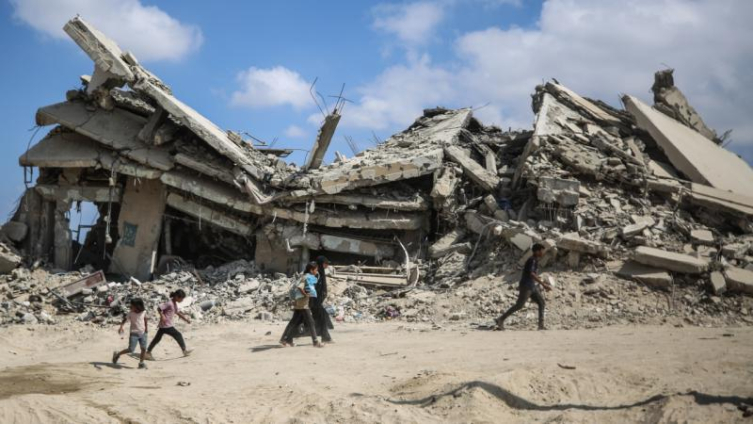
(100, 365)
(263, 348)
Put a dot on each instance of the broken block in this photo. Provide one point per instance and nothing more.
(573, 242)
(739, 279)
(718, 283)
(645, 274)
(670, 261)
(704, 237)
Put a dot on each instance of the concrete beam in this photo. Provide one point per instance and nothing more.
(473, 170)
(189, 162)
(96, 194)
(209, 215)
(323, 139)
(417, 204)
(671, 261)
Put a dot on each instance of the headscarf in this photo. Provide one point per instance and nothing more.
(321, 285)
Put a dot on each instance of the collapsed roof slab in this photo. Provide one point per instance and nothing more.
(385, 170)
(411, 205)
(223, 194)
(199, 125)
(210, 215)
(117, 129)
(699, 158)
(72, 150)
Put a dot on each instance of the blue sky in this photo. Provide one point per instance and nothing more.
(247, 65)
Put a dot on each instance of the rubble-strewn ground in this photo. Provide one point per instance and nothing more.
(390, 372)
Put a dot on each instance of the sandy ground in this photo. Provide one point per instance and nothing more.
(388, 372)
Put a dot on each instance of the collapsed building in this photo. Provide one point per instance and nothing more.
(649, 190)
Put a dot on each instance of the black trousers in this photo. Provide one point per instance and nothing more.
(321, 320)
(524, 294)
(172, 332)
(299, 317)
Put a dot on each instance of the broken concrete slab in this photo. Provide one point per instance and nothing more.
(323, 138)
(645, 274)
(209, 215)
(669, 100)
(718, 283)
(573, 242)
(105, 53)
(363, 173)
(694, 155)
(564, 192)
(671, 261)
(117, 129)
(589, 108)
(418, 203)
(739, 280)
(445, 244)
(9, 259)
(478, 174)
(354, 246)
(704, 237)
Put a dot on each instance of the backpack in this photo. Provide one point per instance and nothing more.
(294, 292)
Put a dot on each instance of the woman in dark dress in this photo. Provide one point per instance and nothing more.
(321, 317)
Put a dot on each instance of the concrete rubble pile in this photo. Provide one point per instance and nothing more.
(643, 197)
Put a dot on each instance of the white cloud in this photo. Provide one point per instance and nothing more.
(276, 86)
(412, 23)
(147, 31)
(600, 48)
(294, 131)
(399, 93)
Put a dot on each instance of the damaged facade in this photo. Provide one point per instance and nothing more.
(627, 187)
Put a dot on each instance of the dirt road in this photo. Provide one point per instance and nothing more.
(381, 373)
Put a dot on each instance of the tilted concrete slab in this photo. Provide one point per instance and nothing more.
(584, 105)
(354, 246)
(477, 173)
(117, 129)
(671, 261)
(417, 204)
(223, 194)
(323, 138)
(381, 171)
(201, 126)
(105, 53)
(691, 153)
(72, 150)
(209, 215)
(712, 198)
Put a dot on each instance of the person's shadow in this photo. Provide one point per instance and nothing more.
(264, 348)
(101, 365)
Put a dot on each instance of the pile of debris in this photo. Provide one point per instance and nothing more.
(645, 194)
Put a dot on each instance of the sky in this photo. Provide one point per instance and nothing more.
(248, 66)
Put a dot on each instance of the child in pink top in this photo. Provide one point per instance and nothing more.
(138, 323)
(167, 312)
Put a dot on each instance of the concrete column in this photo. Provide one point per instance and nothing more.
(62, 236)
(140, 227)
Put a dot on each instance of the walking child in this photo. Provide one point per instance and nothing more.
(528, 289)
(304, 289)
(167, 312)
(138, 331)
